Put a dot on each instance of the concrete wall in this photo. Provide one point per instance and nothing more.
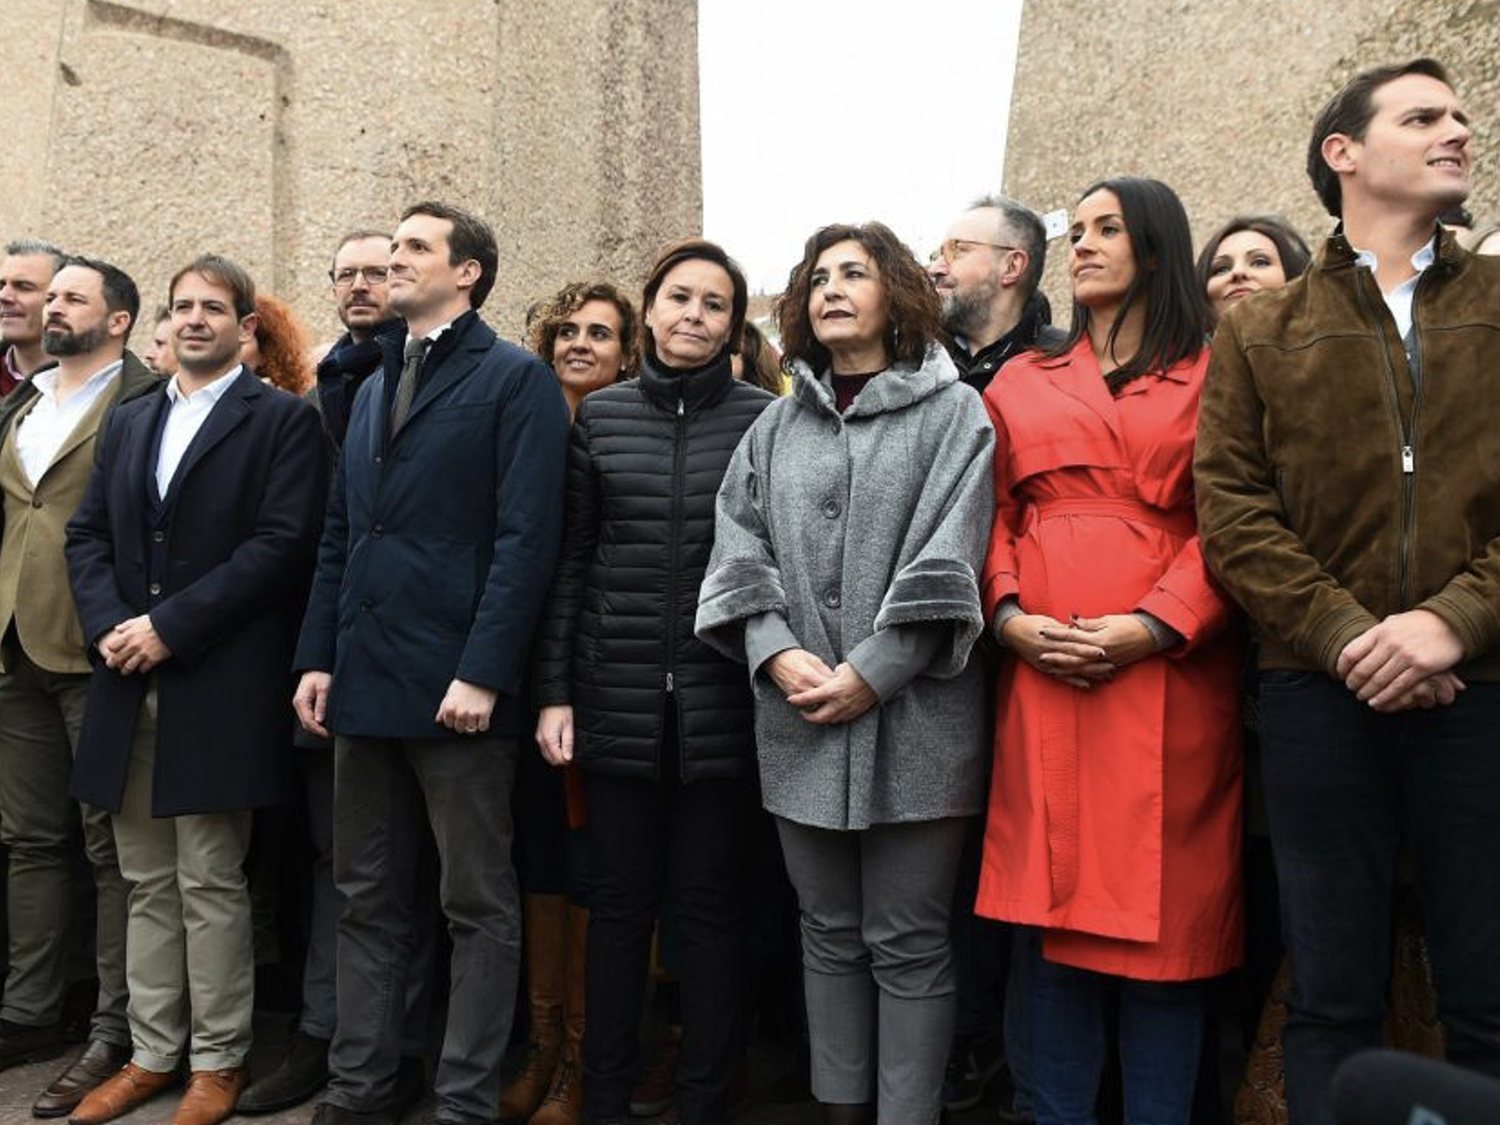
(1217, 98)
(149, 131)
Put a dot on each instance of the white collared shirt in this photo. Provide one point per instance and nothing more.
(185, 418)
(1399, 299)
(49, 423)
(430, 337)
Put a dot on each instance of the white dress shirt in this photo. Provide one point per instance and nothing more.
(1399, 299)
(49, 423)
(185, 418)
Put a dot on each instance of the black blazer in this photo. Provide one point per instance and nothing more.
(440, 541)
(222, 566)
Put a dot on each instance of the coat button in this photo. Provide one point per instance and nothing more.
(379, 460)
(366, 605)
(377, 531)
(831, 598)
(831, 508)
(36, 503)
(158, 537)
(155, 589)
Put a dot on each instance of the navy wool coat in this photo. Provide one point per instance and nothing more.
(440, 541)
(222, 568)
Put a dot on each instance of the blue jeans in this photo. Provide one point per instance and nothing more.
(1160, 1033)
(1343, 785)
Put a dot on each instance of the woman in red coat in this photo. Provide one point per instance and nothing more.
(1114, 820)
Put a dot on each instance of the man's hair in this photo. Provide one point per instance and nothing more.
(220, 271)
(1027, 228)
(28, 247)
(120, 292)
(163, 312)
(470, 238)
(359, 235)
(1349, 112)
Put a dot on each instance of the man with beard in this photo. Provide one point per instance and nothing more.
(25, 270)
(48, 431)
(986, 273)
(359, 273)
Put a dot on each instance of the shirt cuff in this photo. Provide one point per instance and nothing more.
(1009, 607)
(891, 658)
(1165, 636)
(766, 634)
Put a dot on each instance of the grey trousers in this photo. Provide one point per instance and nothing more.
(189, 953)
(386, 794)
(320, 968)
(878, 968)
(41, 713)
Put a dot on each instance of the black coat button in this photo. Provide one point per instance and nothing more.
(832, 599)
(831, 508)
(366, 605)
(377, 531)
(155, 589)
(158, 537)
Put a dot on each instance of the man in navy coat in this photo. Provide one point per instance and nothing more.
(190, 556)
(438, 547)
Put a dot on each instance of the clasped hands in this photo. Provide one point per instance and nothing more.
(1080, 653)
(824, 695)
(1403, 663)
(132, 646)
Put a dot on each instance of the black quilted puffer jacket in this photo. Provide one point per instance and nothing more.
(644, 466)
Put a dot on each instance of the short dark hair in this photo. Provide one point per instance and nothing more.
(1178, 316)
(550, 315)
(1029, 231)
(690, 250)
(470, 239)
(221, 271)
(1349, 112)
(35, 247)
(120, 292)
(915, 316)
(1290, 246)
(359, 235)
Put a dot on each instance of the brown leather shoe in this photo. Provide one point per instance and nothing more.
(211, 1096)
(98, 1061)
(131, 1086)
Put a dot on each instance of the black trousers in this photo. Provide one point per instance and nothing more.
(647, 835)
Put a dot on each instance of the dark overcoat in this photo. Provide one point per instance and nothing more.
(222, 567)
(440, 540)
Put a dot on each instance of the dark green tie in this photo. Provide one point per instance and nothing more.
(406, 388)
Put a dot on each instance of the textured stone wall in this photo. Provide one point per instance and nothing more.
(1217, 98)
(149, 131)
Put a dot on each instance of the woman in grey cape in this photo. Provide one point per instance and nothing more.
(849, 536)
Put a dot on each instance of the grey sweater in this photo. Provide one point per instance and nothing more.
(862, 534)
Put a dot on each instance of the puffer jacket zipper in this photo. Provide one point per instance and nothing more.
(674, 547)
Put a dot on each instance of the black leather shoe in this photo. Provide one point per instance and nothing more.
(329, 1114)
(411, 1084)
(99, 1061)
(20, 1043)
(302, 1073)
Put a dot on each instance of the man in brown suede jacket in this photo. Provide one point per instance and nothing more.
(1348, 476)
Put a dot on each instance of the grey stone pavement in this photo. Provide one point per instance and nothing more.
(20, 1085)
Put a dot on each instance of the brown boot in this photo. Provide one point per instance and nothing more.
(545, 936)
(563, 1104)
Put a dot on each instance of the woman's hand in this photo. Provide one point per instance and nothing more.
(842, 698)
(796, 669)
(1053, 648)
(1123, 637)
(554, 734)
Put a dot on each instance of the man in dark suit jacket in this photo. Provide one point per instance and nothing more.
(442, 529)
(190, 556)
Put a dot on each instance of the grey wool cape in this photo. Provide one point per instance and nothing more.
(846, 525)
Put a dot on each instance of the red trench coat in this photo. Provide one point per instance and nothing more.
(1114, 818)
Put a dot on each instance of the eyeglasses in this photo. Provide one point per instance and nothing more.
(345, 278)
(953, 249)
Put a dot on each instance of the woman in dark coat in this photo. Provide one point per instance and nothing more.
(658, 722)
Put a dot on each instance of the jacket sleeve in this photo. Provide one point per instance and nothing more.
(1001, 572)
(1188, 600)
(743, 578)
(937, 578)
(531, 442)
(559, 625)
(90, 551)
(273, 563)
(1470, 602)
(1260, 561)
(317, 644)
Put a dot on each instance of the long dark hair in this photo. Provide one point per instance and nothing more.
(1178, 316)
(1290, 247)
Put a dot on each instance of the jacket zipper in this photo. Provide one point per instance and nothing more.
(1408, 435)
(671, 615)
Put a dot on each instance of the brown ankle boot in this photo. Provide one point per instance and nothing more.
(563, 1104)
(545, 937)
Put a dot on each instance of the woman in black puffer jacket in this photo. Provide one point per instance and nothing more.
(659, 723)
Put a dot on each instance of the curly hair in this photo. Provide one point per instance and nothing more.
(915, 317)
(551, 313)
(283, 344)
